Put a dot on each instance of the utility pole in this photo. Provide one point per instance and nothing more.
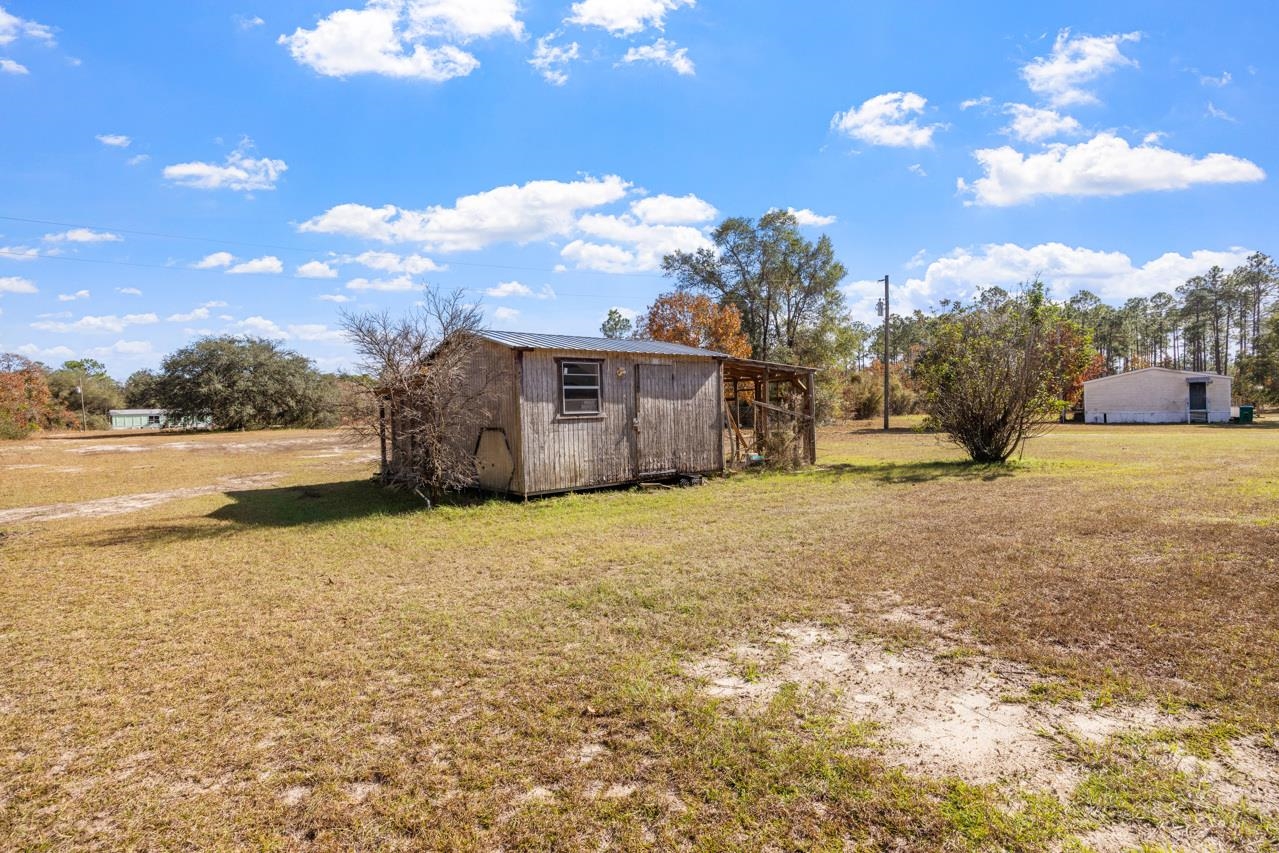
(84, 418)
(886, 313)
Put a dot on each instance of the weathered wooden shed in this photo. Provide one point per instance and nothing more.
(568, 412)
(1157, 395)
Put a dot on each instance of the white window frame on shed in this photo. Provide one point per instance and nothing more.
(596, 366)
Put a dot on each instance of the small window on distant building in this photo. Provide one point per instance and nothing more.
(153, 420)
(580, 387)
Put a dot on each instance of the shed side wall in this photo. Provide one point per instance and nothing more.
(561, 453)
(492, 371)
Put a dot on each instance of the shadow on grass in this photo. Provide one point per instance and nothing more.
(287, 506)
(1268, 423)
(319, 503)
(917, 472)
(127, 434)
(892, 430)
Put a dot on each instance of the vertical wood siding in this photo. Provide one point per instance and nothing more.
(495, 369)
(492, 370)
(560, 452)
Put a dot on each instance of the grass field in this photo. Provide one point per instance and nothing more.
(270, 653)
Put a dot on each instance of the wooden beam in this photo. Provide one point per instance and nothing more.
(810, 428)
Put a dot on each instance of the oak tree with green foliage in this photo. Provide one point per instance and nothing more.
(243, 383)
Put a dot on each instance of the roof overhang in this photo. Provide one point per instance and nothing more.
(755, 370)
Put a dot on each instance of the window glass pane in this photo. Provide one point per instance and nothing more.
(580, 387)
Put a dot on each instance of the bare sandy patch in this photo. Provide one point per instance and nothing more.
(945, 707)
(941, 713)
(295, 794)
(1133, 838)
(121, 504)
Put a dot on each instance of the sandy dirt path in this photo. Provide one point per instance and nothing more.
(120, 504)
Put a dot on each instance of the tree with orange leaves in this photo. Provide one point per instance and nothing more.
(694, 320)
(26, 403)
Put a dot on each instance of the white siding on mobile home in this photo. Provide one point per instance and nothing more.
(1157, 395)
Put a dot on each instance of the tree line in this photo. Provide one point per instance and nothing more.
(762, 290)
(234, 382)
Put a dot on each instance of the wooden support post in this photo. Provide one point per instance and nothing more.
(762, 414)
(381, 434)
(810, 427)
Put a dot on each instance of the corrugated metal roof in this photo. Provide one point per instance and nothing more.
(534, 340)
(135, 411)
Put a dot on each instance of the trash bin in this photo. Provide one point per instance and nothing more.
(1245, 414)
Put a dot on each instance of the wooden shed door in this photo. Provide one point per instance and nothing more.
(654, 419)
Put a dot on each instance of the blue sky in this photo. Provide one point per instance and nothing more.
(169, 170)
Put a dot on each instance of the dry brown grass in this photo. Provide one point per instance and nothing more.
(317, 664)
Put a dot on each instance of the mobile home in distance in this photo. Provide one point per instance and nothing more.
(151, 419)
(1158, 395)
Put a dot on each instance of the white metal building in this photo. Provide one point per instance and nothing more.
(1158, 395)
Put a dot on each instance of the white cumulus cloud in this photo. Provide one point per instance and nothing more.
(8, 66)
(807, 218)
(16, 284)
(505, 289)
(663, 52)
(104, 323)
(13, 28)
(673, 210)
(887, 120)
(1032, 124)
(335, 297)
(114, 140)
(240, 171)
(83, 235)
(1112, 275)
(1105, 165)
(517, 213)
(388, 285)
(215, 260)
(316, 269)
(129, 291)
(316, 332)
(265, 264)
(623, 17)
(19, 253)
(391, 262)
(1074, 62)
(262, 327)
(504, 314)
(201, 313)
(72, 297)
(625, 244)
(552, 60)
(416, 39)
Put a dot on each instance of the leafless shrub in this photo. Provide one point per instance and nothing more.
(421, 392)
